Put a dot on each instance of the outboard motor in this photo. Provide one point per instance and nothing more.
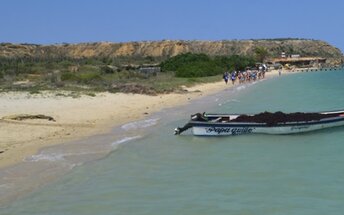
(194, 117)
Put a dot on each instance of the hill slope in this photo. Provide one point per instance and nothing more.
(167, 48)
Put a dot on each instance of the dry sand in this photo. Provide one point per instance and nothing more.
(77, 118)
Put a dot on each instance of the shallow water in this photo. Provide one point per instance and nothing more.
(151, 171)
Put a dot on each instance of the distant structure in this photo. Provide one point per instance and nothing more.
(297, 60)
(149, 70)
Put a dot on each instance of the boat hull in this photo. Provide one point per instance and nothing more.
(225, 129)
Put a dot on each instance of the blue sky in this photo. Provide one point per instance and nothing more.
(73, 21)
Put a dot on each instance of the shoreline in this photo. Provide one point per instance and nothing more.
(79, 118)
(29, 169)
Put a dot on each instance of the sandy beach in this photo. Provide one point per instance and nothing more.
(77, 118)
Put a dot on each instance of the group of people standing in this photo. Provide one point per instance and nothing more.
(232, 77)
(244, 76)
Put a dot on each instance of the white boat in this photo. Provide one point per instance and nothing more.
(263, 123)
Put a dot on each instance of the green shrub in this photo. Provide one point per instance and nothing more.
(201, 65)
(83, 78)
(174, 63)
(34, 91)
(199, 69)
(106, 70)
(87, 78)
(235, 62)
(65, 64)
(68, 76)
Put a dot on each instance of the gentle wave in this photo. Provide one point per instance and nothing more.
(46, 157)
(6, 186)
(140, 124)
(56, 156)
(233, 100)
(124, 140)
(241, 88)
(229, 101)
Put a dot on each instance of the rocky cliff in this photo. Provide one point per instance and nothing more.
(168, 48)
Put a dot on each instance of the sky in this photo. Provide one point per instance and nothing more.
(75, 21)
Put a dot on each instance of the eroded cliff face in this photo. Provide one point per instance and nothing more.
(168, 48)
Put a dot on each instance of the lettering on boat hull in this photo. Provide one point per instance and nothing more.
(228, 131)
(304, 127)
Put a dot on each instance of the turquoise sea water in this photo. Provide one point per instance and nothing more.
(155, 172)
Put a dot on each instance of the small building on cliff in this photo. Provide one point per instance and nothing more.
(301, 62)
(150, 70)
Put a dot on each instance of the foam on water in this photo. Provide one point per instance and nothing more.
(229, 101)
(140, 124)
(45, 157)
(246, 85)
(53, 157)
(242, 87)
(5, 186)
(124, 140)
